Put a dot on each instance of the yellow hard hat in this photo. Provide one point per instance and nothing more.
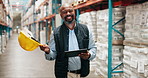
(26, 42)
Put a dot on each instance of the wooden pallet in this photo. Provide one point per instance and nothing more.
(135, 44)
(117, 42)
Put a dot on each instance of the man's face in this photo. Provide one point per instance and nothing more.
(67, 14)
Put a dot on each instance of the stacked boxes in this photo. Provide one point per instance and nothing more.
(38, 3)
(117, 50)
(89, 19)
(74, 2)
(1, 11)
(118, 14)
(4, 35)
(102, 26)
(135, 62)
(136, 24)
(136, 40)
(22, 20)
(102, 56)
(28, 17)
(30, 13)
(42, 12)
(97, 22)
(4, 41)
(2, 14)
(94, 24)
(50, 7)
(117, 58)
(102, 40)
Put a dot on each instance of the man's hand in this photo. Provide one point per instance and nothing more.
(45, 48)
(85, 56)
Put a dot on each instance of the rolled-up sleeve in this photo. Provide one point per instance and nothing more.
(92, 46)
(52, 55)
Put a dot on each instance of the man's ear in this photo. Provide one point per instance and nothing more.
(61, 15)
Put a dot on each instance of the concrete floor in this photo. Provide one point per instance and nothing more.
(18, 63)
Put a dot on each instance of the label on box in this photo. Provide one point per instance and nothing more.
(133, 63)
(146, 71)
(140, 66)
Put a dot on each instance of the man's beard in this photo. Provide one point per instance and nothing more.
(69, 21)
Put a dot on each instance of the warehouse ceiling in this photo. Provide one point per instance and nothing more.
(18, 5)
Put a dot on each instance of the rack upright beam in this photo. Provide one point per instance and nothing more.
(110, 40)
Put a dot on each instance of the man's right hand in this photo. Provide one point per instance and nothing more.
(45, 48)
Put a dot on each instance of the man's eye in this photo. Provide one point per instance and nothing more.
(64, 12)
(70, 10)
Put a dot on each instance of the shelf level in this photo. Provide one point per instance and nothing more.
(87, 4)
(42, 19)
(46, 18)
(103, 4)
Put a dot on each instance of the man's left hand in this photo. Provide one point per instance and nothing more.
(85, 56)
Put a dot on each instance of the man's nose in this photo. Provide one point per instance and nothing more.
(68, 12)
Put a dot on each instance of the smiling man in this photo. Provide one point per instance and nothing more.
(67, 37)
(68, 15)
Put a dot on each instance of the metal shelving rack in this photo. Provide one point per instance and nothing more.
(110, 70)
(41, 21)
(110, 41)
(111, 4)
(4, 26)
(110, 28)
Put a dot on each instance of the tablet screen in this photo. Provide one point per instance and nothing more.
(74, 52)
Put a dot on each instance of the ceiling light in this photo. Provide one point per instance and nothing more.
(17, 3)
(17, 9)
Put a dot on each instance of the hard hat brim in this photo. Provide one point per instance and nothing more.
(27, 43)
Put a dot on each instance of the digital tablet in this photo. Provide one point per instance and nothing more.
(74, 52)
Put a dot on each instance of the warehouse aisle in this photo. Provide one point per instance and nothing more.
(18, 63)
